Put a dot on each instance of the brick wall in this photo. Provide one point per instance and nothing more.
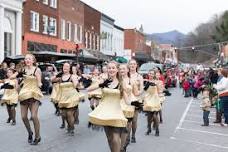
(134, 40)
(42, 9)
(73, 11)
(92, 19)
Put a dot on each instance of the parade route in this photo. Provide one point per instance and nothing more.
(189, 129)
(180, 131)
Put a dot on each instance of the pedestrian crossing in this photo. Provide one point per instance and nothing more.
(190, 130)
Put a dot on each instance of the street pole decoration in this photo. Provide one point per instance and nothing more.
(77, 52)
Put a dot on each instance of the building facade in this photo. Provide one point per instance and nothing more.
(40, 26)
(10, 28)
(107, 30)
(169, 55)
(71, 23)
(134, 40)
(92, 19)
(118, 41)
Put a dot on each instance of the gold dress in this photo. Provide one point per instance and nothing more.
(30, 89)
(55, 95)
(69, 97)
(10, 96)
(160, 91)
(127, 108)
(151, 100)
(109, 112)
(96, 93)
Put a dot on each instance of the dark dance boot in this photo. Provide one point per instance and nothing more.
(89, 124)
(30, 137)
(70, 132)
(62, 126)
(8, 120)
(148, 132)
(13, 123)
(36, 141)
(133, 139)
(157, 133)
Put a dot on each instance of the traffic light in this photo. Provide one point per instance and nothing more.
(76, 47)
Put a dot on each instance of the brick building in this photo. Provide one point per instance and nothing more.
(92, 19)
(71, 23)
(135, 41)
(40, 26)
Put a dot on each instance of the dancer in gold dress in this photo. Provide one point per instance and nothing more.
(109, 113)
(95, 96)
(10, 96)
(152, 103)
(69, 97)
(161, 89)
(134, 75)
(129, 89)
(30, 96)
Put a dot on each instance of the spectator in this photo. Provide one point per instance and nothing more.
(222, 88)
(12, 65)
(86, 70)
(206, 104)
(3, 70)
(186, 87)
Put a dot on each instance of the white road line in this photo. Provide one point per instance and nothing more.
(200, 143)
(183, 116)
(202, 131)
(199, 112)
(197, 122)
(199, 116)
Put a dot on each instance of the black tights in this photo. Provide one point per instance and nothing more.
(134, 123)
(33, 106)
(152, 117)
(68, 114)
(11, 112)
(113, 135)
(125, 136)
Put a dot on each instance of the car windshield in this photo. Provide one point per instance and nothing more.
(149, 66)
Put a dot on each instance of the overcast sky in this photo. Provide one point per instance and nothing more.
(160, 15)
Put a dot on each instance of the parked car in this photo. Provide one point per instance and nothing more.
(146, 67)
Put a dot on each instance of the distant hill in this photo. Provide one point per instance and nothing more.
(173, 37)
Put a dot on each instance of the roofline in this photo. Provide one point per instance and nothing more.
(89, 6)
(106, 16)
(135, 29)
(118, 27)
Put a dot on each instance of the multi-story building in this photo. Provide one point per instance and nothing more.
(71, 15)
(106, 30)
(135, 41)
(10, 28)
(118, 41)
(169, 55)
(40, 26)
(92, 19)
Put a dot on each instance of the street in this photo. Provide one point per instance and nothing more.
(180, 131)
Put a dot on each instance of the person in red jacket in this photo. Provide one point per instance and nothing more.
(186, 87)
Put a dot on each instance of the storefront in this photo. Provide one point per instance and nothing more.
(10, 28)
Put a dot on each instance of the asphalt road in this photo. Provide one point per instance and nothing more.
(180, 131)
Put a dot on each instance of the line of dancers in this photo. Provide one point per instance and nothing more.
(116, 96)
